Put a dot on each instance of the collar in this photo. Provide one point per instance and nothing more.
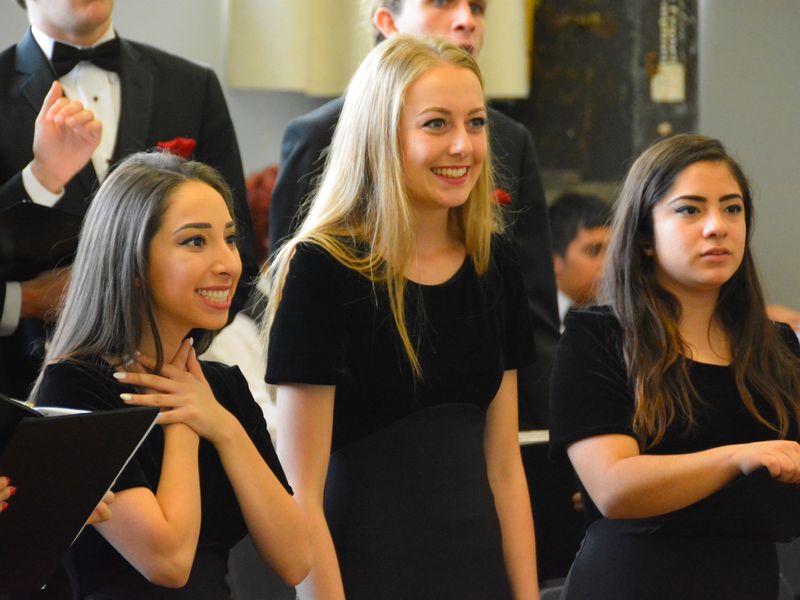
(564, 304)
(46, 42)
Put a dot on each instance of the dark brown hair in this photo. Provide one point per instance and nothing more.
(653, 348)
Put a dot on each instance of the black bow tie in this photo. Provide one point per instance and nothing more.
(105, 56)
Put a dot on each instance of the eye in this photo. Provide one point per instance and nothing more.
(734, 209)
(594, 250)
(231, 239)
(477, 123)
(435, 124)
(687, 209)
(196, 241)
(441, 3)
(478, 8)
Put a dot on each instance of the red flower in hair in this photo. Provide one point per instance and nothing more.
(502, 197)
(180, 146)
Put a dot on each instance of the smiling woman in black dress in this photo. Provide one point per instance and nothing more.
(157, 259)
(396, 324)
(676, 388)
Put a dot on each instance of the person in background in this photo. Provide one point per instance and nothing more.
(76, 98)
(580, 228)
(677, 387)
(396, 323)
(157, 259)
(518, 185)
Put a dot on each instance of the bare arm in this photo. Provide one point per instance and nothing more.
(273, 519)
(507, 480)
(625, 484)
(305, 422)
(158, 534)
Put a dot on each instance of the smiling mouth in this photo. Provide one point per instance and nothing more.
(214, 296)
(450, 172)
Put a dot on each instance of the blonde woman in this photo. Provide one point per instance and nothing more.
(396, 323)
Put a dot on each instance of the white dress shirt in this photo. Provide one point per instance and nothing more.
(564, 304)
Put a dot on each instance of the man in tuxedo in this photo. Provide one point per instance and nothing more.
(120, 97)
(580, 228)
(519, 181)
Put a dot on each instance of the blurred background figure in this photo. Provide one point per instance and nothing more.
(580, 229)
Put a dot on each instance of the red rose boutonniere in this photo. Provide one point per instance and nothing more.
(180, 146)
(502, 197)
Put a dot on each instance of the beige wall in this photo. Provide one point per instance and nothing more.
(749, 88)
(749, 73)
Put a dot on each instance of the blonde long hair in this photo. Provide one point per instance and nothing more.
(361, 213)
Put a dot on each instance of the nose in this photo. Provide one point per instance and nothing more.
(715, 225)
(460, 143)
(464, 18)
(227, 261)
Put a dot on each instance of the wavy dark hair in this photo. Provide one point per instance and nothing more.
(655, 354)
(108, 303)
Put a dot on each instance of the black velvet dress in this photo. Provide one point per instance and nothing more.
(407, 498)
(636, 558)
(97, 570)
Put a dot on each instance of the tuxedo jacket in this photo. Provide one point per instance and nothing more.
(517, 173)
(162, 97)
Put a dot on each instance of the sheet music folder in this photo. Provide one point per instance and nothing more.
(61, 466)
(35, 238)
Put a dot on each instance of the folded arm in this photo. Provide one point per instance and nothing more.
(625, 484)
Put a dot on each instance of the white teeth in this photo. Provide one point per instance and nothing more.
(218, 296)
(453, 173)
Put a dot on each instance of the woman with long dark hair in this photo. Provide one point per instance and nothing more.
(152, 281)
(677, 387)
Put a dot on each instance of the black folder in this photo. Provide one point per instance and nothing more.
(35, 238)
(754, 506)
(61, 466)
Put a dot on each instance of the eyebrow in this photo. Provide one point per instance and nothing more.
(725, 198)
(446, 111)
(228, 225)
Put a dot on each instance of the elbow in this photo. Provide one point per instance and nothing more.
(618, 506)
(295, 563)
(294, 575)
(172, 574)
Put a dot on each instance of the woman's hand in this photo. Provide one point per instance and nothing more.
(6, 491)
(781, 457)
(103, 510)
(182, 393)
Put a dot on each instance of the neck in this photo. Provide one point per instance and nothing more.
(171, 339)
(433, 231)
(707, 341)
(76, 38)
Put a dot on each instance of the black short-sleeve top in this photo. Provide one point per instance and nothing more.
(91, 386)
(334, 327)
(591, 395)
